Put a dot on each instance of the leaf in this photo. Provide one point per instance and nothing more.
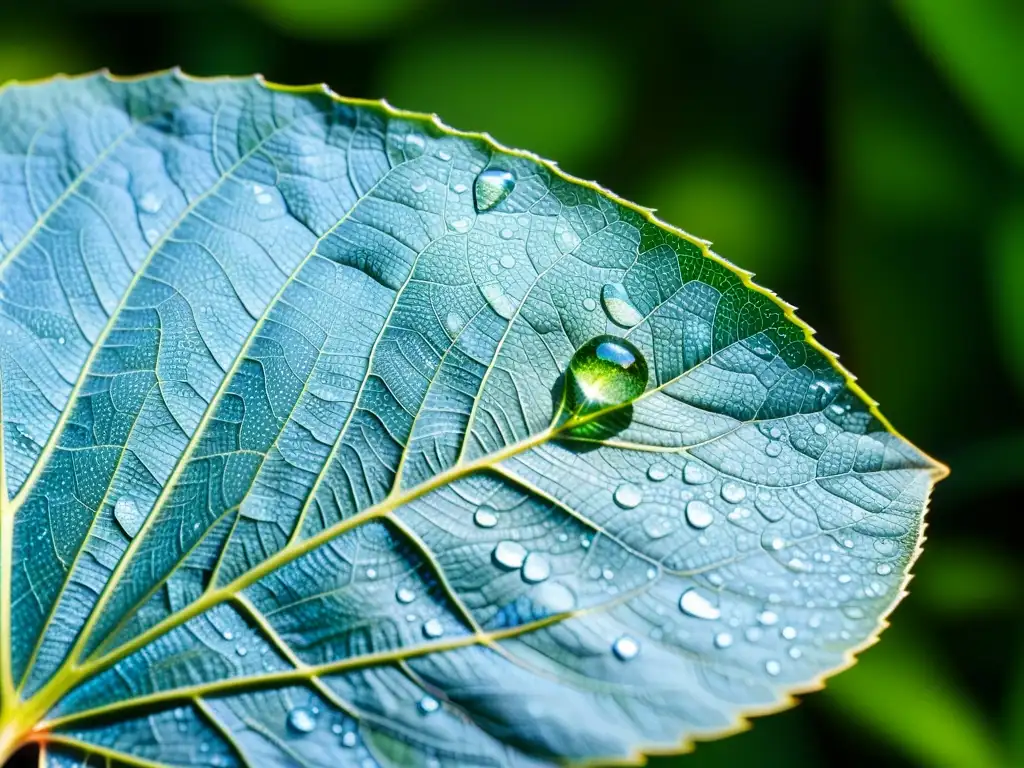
(290, 476)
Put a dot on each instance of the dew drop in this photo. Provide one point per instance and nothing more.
(536, 568)
(657, 526)
(428, 704)
(773, 449)
(589, 304)
(657, 472)
(628, 496)
(302, 720)
(883, 569)
(699, 514)
(349, 739)
(128, 516)
(506, 234)
(772, 667)
(241, 650)
(625, 648)
(419, 186)
(820, 429)
(454, 323)
(228, 634)
(507, 261)
(336, 729)
(694, 474)
(415, 140)
(150, 203)
(460, 225)
(509, 555)
(734, 493)
(433, 628)
(492, 187)
(768, 618)
(789, 633)
(499, 300)
(618, 306)
(723, 640)
(603, 373)
(404, 595)
(484, 518)
(693, 603)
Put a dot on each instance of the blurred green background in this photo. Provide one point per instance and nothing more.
(864, 158)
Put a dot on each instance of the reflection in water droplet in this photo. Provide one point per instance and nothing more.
(625, 648)
(509, 555)
(536, 568)
(618, 306)
(589, 304)
(492, 187)
(302, 720)
(723, 640)
(628, 496)
(734, 493)
(428, 704)
(657, 472)
(484, 518)
(695, 604)
(433, 628)
(694, 474)
(699, 514)
(603, 373)
(773, 449)
(772, 667)
(128, 516)
(404, 595)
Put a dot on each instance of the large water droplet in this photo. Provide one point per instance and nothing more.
(773, 449)
(509, 555)
(128, 516)
(302, 720)
(485, 518)
(605, 372)
(657, 472)
(499, 300)
(628, 496)
(536, 568)
(734, 493)
(699, 514)
(618, 306)
(625, 648)
(491, 187)
(694, 474)
(695, 604)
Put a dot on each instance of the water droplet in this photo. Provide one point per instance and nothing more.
(536, 568)
(128, 516)
(557, 598)
(499, 300)
(433, 628)
(694, 474)
(404, 595)
(773, 449)
(60, 340)
(795, 653)
(883, 569)
(150, 203)
(618, 306)
(734, 493)
(459, 188)
(484, 518)
(506, 234)
(772, 667)
(415, 140)
(460, 225)
(428, 704)
(695, 604)
(789, 633)
(657, 526)
(508, 261)
(371, 573)
(454, 323)
(228, 634)
(628, 496)
(241, 650)
(625, 648)
(844, 578)
(418, 186)
(336, 729)
(509, 555)
(777, 544)
(349, 739)
(657, 472)
(302, 720)
(589, 304)
(603, 373)
(699, 514)
(491, 187)
(768, 618)
(723, 640)
(446, 156)
(820, 429)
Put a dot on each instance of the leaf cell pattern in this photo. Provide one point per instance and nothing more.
(287, 479)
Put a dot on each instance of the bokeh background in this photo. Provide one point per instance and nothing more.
(864, 158)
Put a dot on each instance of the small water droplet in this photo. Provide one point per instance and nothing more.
(349, 739)
(844, 578)
(536, 568)
(734, 493)
(371, 573)
(694, 474)
(460, 225)
(428, 704)
(589, 304)
(820, 429)
(617, 304)
(128, 516)
(506, 234)
(454, 323)
(241, 650)
(777, 544)
(509, 555)
(657, 472)
(657, 526)
(768, 618)
(699, 514)
(415, 140)
(693, 603)
(795, 653)
(773, 449)
(723, 640)
(228, 634)
(336, 729)
(60, 340)
(625, 648)
(883, 569)
(302, 720)
(507, 261)
(404, 595)
(628, 496)
(772, 667)
(485, 518)
(150, 203)
(789, 633)
(603, 373)
(433, 628)
(419, 186)
(446, 156)
(491, 188)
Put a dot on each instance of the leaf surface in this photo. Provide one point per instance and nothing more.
(289, 476)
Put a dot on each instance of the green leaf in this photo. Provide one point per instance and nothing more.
(291, 475)
(1007, 259)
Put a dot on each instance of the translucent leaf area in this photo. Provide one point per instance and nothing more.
(291, 475)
